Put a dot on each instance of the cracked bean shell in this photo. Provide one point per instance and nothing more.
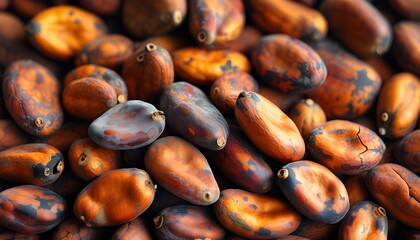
(182, 169)
(88, 98)
(365, 220)
(397, 189)
(33, 163)
(73, 229)
(31, 209)
(345, 147)
(115, 197)
(269, 128)
(288, 64)
(398, 106)
(190, 113)
(31, 94)
(187, 222)
(128, 125)
(314, 191)
(256, 216)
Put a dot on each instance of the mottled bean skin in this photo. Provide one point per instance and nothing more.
(187, 222)
(190, 113)
(314, 191)
(128, 125)
(33, 163)
(31, 209)
(31, 95)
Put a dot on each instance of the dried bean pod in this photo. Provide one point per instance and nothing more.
(351, 86)
(32, 163)
(88, 160)
(109, 51)
(115, 197)
(47, 28)
(128, 125)
(202, 67)
(187, 222)
(358, 25)
(398, 106)
(269, 128)
(314, 191)
(365, 220)
(225, 90)
(215, 22)
(135, 229)
(243, 164)
(307, 115)
(191, 114)
(255, 216)
(182, 169)
(397, 189)
(88, 98)
(407, 152)
(288, 64)
(31, 95)
(288, 17)
(345, 147)
(98, 72)
(31, 209)
(72, 229)
(147, 72)
(144, 18)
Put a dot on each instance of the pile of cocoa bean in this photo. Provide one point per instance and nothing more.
(210, 119)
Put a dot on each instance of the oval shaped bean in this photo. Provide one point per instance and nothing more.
(288, 64)
(255, 216)
(191, 114)
(314, 191)
(345, 147)
(182, 169)
(31, 209)
(128, 125)
(33, 163)
(114, 198)
(269, 128)
(397, 189)
(31, 94)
